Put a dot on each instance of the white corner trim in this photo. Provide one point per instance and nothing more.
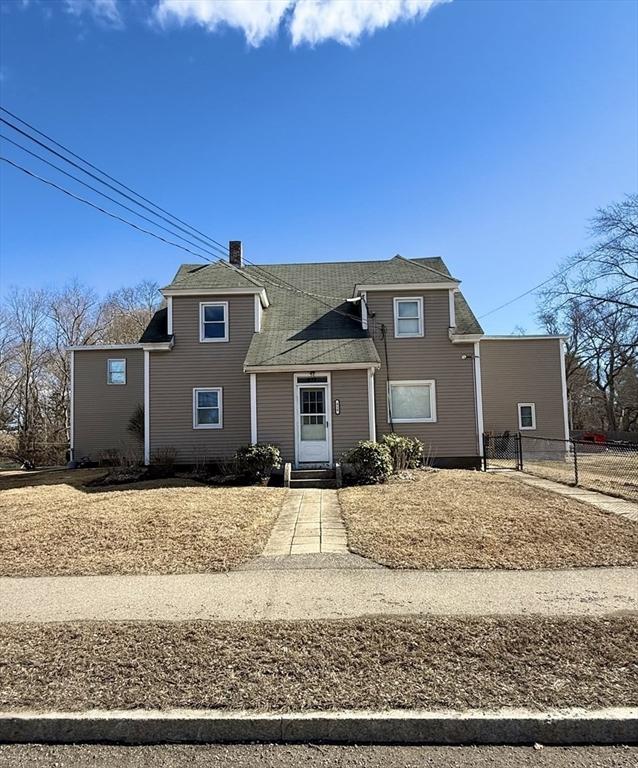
(258, 314)
(421, 332)
(479, 396)
(202, 306)
(169, 315)
(520, 421)
(253, 408)
(563, 383)
(147, 407)
(372, 426)
(452, 308)
(71, 405)
(364, 311)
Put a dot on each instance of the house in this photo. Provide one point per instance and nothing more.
(313, 358)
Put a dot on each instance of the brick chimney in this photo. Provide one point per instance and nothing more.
(236, 256)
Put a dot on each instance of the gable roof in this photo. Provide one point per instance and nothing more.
(312, 319)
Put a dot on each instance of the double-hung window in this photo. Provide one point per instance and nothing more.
(116, 371)
(213, 321)
(527, 416)
(408, 317)
(411, 401)
(207, 408)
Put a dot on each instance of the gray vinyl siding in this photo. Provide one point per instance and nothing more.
(190, 364)
(275, 412)
(522, 371)
(432, 356)
(352, 424)
(101, 411)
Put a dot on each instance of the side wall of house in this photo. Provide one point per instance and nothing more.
(191, 364)
(275, 411)
(101, 411)
(522, 371)
(453, 437)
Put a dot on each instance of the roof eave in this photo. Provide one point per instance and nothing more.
(365, 288)
(311, 367)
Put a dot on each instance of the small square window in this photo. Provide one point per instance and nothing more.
(213, 321)
(527, 416)
(116, 371)
(207, 408)
(408, 317)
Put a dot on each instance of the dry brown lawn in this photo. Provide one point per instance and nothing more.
(50, 524)
(463, 519)
(358, 663)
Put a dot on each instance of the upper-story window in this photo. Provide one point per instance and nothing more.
(213, 321)
(408, 317)
(116, 371)
(527, 416)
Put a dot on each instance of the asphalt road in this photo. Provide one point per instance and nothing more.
(314, 756)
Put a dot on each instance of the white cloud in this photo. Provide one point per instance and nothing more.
(308, 21)
(102, 10)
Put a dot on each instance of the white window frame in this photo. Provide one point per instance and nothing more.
(196, 391)
(420, 332)
(520, 419)
(202, 306)
(431, 383)
(108, 371)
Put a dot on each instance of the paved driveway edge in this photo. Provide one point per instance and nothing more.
(507, 726)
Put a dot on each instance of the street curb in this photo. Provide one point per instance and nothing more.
(561, 727)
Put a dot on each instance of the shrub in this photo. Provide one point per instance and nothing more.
(256, 462)
(136, 424)
(109, 457)
(371, 462)
(163, 462)
(406, 452)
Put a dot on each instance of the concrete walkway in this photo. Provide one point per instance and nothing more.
(319, 593)
(607, 503)
(309, 523)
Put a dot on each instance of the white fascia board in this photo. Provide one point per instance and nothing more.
(158, 346)
(406, 287)
(468, 338)
(261, 292)
(309, 368)
(102, 347)
(515, 337)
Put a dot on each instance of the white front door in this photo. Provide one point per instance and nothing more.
(313, 427)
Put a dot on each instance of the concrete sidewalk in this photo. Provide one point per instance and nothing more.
(321, 593)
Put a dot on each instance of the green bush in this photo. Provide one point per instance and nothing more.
(256, 462)
(371, 462)
(406, 452)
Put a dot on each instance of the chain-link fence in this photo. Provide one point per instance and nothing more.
(502, 451)
(607, 467)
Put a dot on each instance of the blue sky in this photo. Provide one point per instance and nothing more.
(484, 132)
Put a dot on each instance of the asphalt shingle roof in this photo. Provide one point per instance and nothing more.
(310, 319)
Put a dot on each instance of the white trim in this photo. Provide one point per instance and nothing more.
(71, 405)
(413, 383)
(364, 311)
(400, 300)
(147, 407)
(468, 338)
(520, 421)
(258, 314)
(372, 426)
(327, 385)
(102, 347)
(261, 292)
(202, 306)
(309, 367)
(452, 308)
(515, 337)
(169, 315)
(220, 407)
(110, 360)
(563, 384)
(479, 397)
(253, 408)
(158, 346)
(406, 287)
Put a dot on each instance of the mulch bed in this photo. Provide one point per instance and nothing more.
(439, 662)
(464, 519)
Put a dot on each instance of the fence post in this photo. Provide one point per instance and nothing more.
(484, 462)
(520, 452)
(573, 442)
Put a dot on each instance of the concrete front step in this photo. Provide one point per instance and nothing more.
(320, 482)
(312, 474)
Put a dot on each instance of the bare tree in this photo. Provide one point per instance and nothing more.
(129, 310)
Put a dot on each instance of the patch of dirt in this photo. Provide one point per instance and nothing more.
(437, 662)
(465, 519)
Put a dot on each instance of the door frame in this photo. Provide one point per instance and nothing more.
(327, 385)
